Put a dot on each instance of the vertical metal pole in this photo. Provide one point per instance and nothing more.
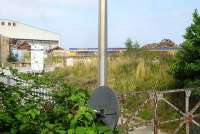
(102, 42)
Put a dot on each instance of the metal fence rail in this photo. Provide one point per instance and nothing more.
(188, 116)
(39, 91)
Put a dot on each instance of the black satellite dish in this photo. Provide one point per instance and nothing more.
(106, 105)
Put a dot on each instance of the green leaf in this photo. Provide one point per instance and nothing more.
(5, 118)
(61, 131)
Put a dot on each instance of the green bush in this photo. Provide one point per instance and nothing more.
(22, 111)
(186, 68)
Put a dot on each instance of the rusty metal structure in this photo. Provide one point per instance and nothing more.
(187, 117)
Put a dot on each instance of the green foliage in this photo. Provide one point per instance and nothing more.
(65, 111)
(131, 46)
(186, 67)
(128, 44)
(146, 114)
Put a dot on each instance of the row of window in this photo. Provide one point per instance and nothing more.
(9, 24)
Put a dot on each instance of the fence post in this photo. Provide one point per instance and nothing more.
(187, 101)
(155, 129)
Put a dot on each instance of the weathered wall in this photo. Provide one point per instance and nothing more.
(4, 50)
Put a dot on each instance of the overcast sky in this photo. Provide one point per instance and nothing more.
(146, 21)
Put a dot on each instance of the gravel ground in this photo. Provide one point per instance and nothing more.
(145, 130)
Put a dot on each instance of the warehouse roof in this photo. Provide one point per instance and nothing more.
(18, 30)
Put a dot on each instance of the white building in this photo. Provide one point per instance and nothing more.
(20, 32)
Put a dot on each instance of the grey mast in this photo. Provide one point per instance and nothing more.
(102, 43)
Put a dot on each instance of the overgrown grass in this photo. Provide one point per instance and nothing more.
(136, 71)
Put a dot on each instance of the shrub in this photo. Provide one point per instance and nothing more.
(186, 68)
(24, 111)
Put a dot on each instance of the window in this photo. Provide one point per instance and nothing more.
(14, 24)
(2, 23)
(9, 23)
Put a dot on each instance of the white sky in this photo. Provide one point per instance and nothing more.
(77, 20)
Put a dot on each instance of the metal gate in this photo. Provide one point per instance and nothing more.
(187, 115)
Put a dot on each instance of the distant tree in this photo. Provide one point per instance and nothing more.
(130, 45)
(136, 45)
(186, 68)
(12, 57)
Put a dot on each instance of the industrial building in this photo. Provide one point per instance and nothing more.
(92, 52)
(87, 55)
(18, 34)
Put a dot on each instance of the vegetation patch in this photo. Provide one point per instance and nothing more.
(64, 110)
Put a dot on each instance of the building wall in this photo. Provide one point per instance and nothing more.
(47, 44)
(4, 50)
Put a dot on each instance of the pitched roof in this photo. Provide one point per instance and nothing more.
(55, 48)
